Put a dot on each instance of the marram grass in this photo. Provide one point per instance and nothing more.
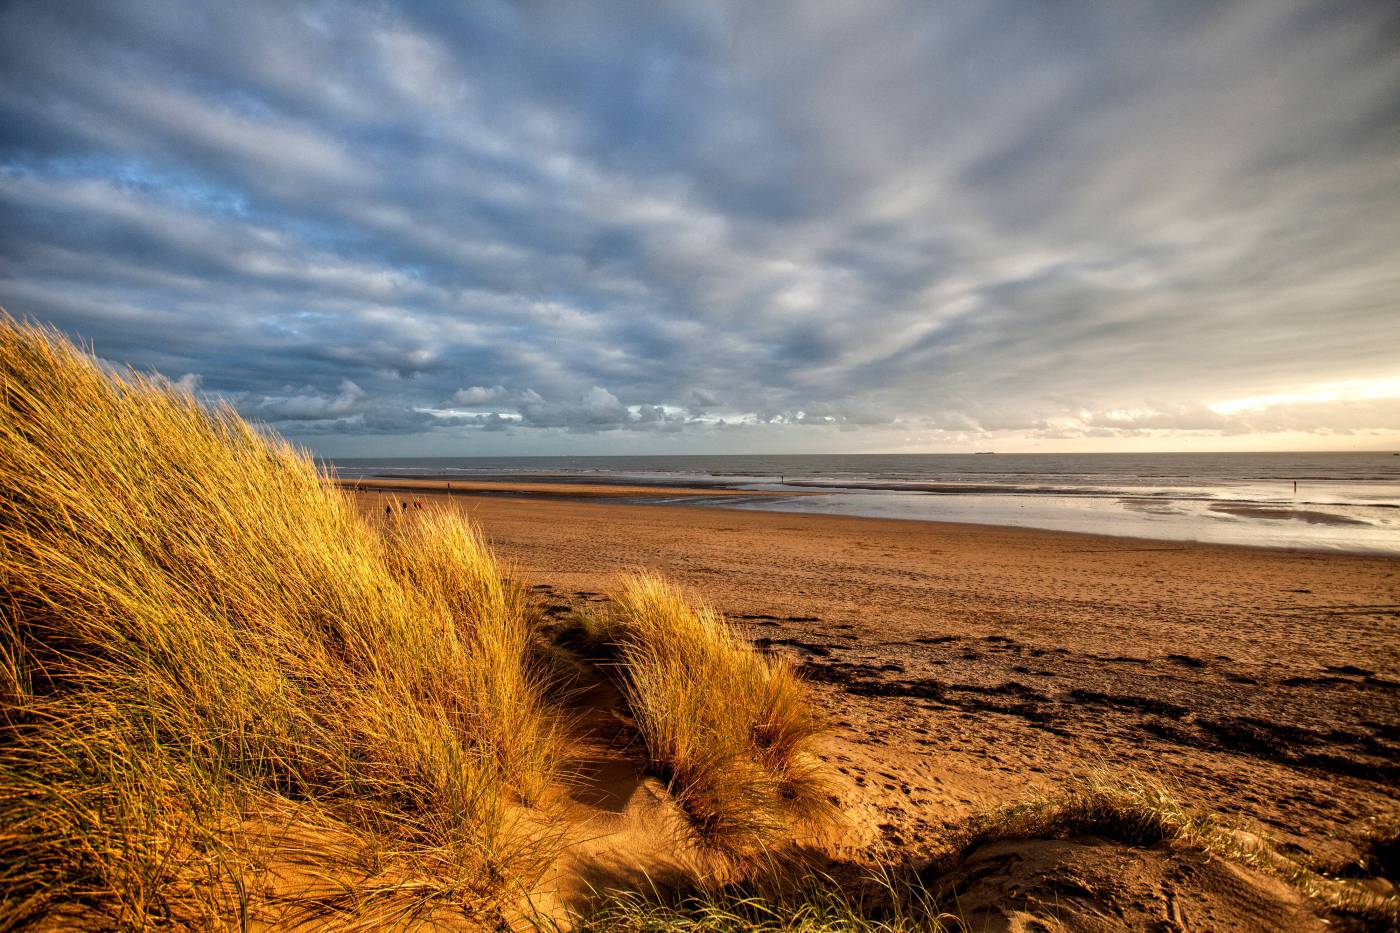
(731, 729)
(226, 698)
(223, 694)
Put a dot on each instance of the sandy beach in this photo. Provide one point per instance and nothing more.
(237, 693)
(966, 664)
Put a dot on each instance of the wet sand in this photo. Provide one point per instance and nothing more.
(543, 488)
(1312, 516)
(966, 664)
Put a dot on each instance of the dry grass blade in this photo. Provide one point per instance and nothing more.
(873, 900)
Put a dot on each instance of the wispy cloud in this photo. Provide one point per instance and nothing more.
(493, 227)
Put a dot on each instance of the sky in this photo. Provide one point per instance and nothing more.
(457, 229)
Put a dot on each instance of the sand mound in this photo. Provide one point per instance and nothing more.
(1090, 884)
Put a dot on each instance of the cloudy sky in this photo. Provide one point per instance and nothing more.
(494, 228)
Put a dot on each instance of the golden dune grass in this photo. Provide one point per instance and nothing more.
(225, 696)
(216, 678)
(729, 728)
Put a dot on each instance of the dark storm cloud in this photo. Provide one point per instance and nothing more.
(433, 220)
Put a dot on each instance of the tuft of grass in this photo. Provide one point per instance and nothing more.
(880, 902)
(223, 694)
(1131, 810)
(444, 559)
(730, 729)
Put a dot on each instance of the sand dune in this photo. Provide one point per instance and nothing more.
(967, 665)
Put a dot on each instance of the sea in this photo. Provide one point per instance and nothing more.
(1311, 501)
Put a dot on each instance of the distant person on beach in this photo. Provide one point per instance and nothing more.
(388, 508)
(404, 506)
(418, 502)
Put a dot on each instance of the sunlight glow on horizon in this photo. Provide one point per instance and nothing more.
(1346, 390)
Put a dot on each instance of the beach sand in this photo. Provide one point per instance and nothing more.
(965, 666)
(545, 488)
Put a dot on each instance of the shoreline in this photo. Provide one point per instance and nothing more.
(637, 494)
(718, 496)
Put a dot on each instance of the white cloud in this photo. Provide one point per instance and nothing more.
(479, 395)
(309, 406)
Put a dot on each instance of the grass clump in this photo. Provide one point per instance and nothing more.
(1130, 810)
(222, 693)
(729, 729)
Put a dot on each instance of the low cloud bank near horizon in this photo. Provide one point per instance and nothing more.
(495, 228)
